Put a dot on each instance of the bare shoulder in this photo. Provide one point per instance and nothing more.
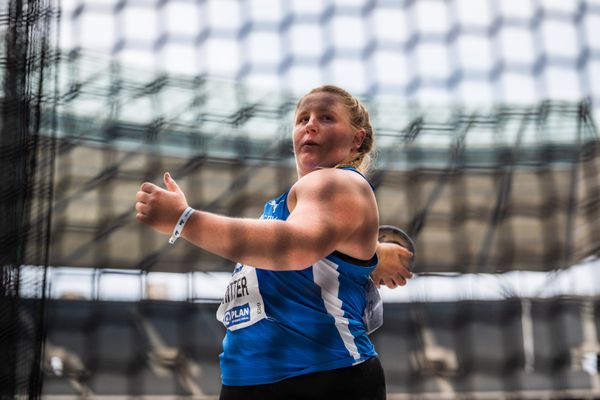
(343, 205)
(328, 184)
(329, 179)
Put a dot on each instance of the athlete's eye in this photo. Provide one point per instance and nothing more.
(302, 120)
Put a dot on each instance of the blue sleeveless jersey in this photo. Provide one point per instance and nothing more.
(282, 324)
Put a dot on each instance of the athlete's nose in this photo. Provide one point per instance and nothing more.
(311, 126)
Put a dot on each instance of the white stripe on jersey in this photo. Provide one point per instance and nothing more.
(326, 276)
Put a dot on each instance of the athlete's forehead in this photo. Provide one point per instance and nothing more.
(321, 101)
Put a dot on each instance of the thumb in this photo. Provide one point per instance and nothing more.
(170, 183)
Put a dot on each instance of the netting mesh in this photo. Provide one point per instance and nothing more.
(481, 190)
(527, 349)
(496, 189)
(26, 175)
(502, 176)
(481, 52)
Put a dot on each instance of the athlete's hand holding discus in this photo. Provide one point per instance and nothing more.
(396, 258)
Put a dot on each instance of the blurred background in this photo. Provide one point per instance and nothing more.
(488, 156)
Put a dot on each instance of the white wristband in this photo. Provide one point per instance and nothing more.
(180, 224)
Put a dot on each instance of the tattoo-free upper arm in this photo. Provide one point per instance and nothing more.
(329, 208)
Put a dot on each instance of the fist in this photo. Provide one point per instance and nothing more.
(160, 208)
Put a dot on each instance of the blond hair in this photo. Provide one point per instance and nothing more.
(359, 119)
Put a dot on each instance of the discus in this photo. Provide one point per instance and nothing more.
(393, 234)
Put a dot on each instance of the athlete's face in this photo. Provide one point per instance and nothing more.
(323, 135)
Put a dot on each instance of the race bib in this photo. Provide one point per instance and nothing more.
(242, 304)
(373, 315)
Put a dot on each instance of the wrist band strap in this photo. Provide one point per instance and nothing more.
(180, 224)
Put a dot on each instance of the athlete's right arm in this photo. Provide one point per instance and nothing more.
(271, 244)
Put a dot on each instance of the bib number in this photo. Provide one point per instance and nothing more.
(242, 304)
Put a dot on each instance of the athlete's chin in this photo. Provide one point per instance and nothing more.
(306, 166)
(308, 160)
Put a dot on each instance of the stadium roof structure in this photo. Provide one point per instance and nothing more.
(489, 190)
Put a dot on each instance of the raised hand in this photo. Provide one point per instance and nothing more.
(160, 208)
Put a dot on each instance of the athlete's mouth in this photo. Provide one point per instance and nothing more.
(309, 143)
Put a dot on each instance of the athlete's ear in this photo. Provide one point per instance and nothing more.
(359, 137)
